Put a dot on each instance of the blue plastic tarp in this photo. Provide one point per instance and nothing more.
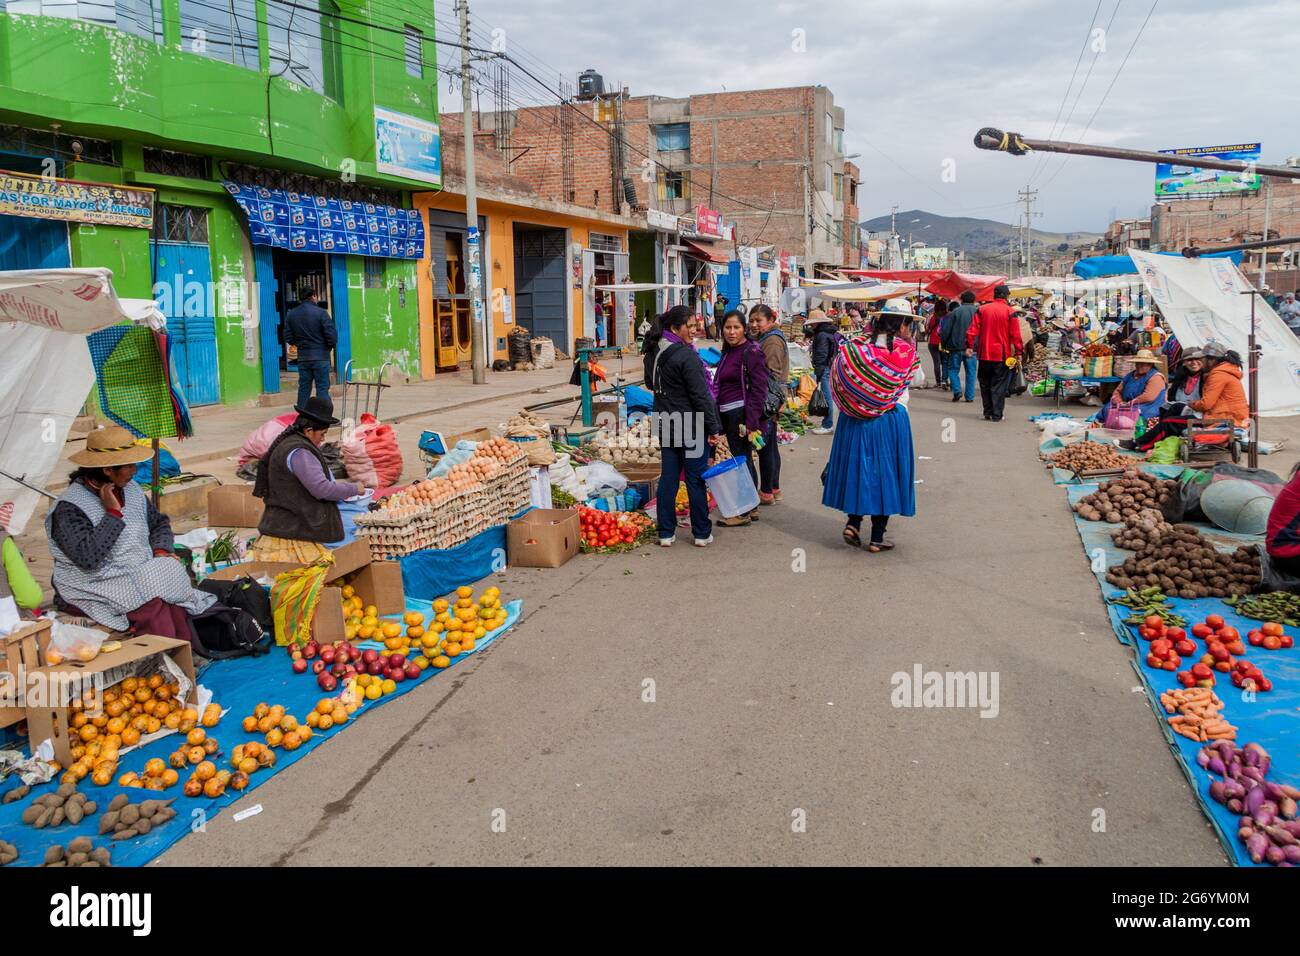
(430, 572)
(238, 686)
(1271, 719)
(1094, 267)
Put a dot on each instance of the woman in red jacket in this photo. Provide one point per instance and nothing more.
(936, 353)
(1282, 535)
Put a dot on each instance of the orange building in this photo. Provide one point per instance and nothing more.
(543, 262)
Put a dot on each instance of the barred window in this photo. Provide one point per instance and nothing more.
(168, 163)
(601, 242)
(374, 276)
(180, 224)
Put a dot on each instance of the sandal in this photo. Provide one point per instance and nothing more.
(851, 536)
(875, 547)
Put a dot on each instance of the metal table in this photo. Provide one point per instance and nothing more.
(1059, 380)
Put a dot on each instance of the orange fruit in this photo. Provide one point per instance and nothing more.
(154, 767)
(155, 681)
(313, 718)
(239, 780)
(172, 721)
(464, 591)
(248, 765)
(288, 722)
(452, 648)
(129, 685)
(115, 725)
(206, 770)
(178, 760)
(415, 632)
(210, 746)
(88, 733)
(274, 737)
(195, 755)
(440, 605)
(261, 710)
(467, 644)
(169, 777)
(193, 787)
(292, 741)
(441, 661)
(103, 776)
(152, 725)
(140, 722)
(210, 718)
(324, 706)
(304, 733)
(250, 725)
(130, 737)
(213, 787)
(127, 778)
(326, 722)
(196, 736)
(339, 715)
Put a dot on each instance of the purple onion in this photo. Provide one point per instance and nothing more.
(1292, 853)
(1275, 855)
(1217, 792)
(1253, 773)
(1216, 766)
(1256, 847)
(1235, 806)
(1203, 757)
(1254, 800)
(1234, 788)
(1281, 837)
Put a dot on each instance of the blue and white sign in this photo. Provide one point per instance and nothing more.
(305, 223)
(408, 147)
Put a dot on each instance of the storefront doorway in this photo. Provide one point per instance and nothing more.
(541, 284)
(446, 337)
(295, 274)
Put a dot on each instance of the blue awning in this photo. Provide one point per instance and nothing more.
(1095, 267)
(306, 223)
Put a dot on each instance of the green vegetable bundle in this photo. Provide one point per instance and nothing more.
(1283, 607)
(1146, 602)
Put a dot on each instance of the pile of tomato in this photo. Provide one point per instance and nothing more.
(616, 529)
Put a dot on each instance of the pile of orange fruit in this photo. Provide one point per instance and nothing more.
(330, 712)
(247, 759)
(279, 729)
(360, 620)
(126, 712)
(159, 775)
(457, 626)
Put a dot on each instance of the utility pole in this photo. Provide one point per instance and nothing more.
(1027, 196)
(1263, 255)
(474, 275)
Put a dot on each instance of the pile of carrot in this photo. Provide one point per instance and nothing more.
(1197, 714)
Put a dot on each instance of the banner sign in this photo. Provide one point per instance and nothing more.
(708, 222)
(407, 146)
(1181, 178)
(661, 220)
(304, 223)
(40, 197)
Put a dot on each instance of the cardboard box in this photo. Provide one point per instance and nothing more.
(19, 652)
(49, 720)
(379, 582)
(233, 506)
(543, 538)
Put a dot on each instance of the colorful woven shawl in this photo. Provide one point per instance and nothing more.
(867, 379)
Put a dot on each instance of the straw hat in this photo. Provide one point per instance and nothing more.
(110, 447)
(1147, 356)
(899, 307)
(817, 315)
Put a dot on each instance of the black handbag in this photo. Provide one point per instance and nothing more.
(818, 407)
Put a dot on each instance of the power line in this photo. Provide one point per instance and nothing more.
(1073, 73)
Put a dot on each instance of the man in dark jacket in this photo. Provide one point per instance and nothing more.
(822, 353)
(310, 327)
(952, 336)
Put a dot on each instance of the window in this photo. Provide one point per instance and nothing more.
(169, 163)
(306, 47)
(143, 18)
(221, 30)
(180, 224)
(674, 184)
(830, 178)
(374, 275)
(600, 242)
(673, 136)
(830, 129)
(839, 185)
(839, 140)
(414, 52)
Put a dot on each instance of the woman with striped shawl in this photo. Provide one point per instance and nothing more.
(871, 462)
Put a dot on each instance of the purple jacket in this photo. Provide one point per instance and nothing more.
(741, 375)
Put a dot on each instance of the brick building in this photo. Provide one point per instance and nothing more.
(849, 219)
(770, 161)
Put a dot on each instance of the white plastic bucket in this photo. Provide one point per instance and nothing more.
(732, 488)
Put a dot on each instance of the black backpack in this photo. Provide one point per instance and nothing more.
(239, 624)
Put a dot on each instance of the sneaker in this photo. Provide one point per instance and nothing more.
(667, 542)
(704, 542)
(822, 430)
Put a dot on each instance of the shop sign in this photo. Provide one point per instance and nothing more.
(306, 223)
(708, 222)
(69, 200)
(661, 220)
(407, 146)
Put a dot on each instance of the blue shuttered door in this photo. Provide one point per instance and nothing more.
(541, 283)
(185, 270)
(33, 243)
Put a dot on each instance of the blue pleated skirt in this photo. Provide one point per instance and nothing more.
(871, 467)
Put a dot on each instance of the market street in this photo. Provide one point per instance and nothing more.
(772, 695)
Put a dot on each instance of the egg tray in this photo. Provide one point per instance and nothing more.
(383, 519)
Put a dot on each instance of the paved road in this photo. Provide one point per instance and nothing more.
(772, 703)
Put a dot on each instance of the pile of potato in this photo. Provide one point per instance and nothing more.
(1125, 497)
(80, 852)
(1088, 456)
(1182, 562)
(1138, 529)
(65, 805)
(125, 820)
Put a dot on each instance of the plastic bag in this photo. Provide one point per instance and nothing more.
(1121, 417)
(1165, 451)
(371, 454)
(602, 475)
(71, 642)
(817, 405)
(259, 439)
(462, 452)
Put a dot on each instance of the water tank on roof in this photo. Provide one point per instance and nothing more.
(590, 85)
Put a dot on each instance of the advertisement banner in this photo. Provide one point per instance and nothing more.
(1181, 178)
(305, 223)
(407, 146)
(708, 222)
(69, 200)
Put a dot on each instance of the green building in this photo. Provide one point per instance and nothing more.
(324, 111)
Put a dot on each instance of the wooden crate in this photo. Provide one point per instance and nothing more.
(19, 653)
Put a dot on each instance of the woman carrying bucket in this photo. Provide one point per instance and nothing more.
(740, 387)
(871, 463)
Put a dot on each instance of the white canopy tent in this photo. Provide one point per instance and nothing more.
(640, 287)
(46, 372)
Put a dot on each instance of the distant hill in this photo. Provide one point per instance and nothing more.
(985, 240)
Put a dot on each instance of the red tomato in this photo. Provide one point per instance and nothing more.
(1175, 633)
(1272, 627)
(1170, 665)
(1272, 643)
(1144, 632)
(1264, 684)
(1256, 638)
(1228, 634)
(1201, 630)
(1155, 620)
(1286, 640)
(1214, 622)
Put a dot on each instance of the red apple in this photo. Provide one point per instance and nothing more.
(396, 660)
(317, 666)
(375, 667)
(327, 682)
(299, 665)
(327, 654)
(369, 654)
(310, 650)
(341, 654)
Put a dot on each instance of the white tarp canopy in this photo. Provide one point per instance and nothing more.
(1202, 300)
(797, 299)
(45, 369)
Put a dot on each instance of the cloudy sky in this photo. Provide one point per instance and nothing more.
(917, 79)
